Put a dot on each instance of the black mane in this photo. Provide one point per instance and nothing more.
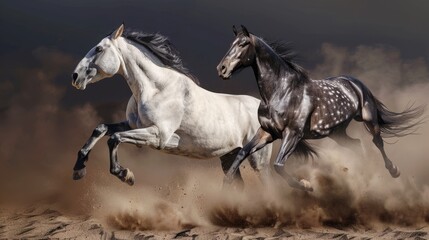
(289, 56)
(162, 48)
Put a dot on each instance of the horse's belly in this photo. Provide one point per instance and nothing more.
(199, 150)
(205, 146)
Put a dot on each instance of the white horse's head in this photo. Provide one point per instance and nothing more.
(100, 62)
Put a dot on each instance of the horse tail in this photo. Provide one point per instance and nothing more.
(392, 124)
(398, 124)
(305, 150)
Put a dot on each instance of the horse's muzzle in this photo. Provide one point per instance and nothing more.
(223, 72)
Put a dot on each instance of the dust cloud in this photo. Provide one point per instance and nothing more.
(40, 140)
(39, 135)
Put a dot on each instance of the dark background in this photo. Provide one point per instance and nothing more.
(201, 30)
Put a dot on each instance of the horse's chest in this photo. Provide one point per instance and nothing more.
(146, 116)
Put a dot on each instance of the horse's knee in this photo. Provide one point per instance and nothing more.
(114, 140)
(100, 130)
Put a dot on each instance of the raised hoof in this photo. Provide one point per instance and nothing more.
(78, 174)
(305, 185)
(394, 171)
(129, 177)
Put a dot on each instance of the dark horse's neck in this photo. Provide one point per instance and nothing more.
(273, 73)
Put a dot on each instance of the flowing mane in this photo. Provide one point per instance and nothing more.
(289, 56)
(162, 48)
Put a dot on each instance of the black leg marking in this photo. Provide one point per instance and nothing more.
(83, 154)
(139, 137)
(124, 174)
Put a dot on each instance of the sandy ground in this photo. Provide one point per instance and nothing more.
(44, 222)
(176, 203)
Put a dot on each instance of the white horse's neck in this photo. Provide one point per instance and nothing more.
(145, 74)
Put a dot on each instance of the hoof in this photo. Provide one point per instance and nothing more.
(305, 185)
(129, 177)
(394, 171)
(78, 174)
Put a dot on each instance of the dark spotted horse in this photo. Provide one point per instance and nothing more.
(295, 108)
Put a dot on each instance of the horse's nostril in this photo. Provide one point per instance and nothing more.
(74, 76)
(223, 67)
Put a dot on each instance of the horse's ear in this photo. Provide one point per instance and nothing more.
(118, 32)
(244, 29)
(234, 30)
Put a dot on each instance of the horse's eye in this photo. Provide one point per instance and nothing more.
(98, 49)
(244, 43)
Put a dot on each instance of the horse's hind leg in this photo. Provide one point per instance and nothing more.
(226, 162)
(378, 141)
(100, 131)
(140, 137)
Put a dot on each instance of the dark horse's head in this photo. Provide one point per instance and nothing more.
(240, 55)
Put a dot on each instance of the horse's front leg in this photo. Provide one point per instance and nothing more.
(140, 137)
(101, 130)
(260, 140)
(290, 139)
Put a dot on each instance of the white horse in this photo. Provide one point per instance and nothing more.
(167, 110)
